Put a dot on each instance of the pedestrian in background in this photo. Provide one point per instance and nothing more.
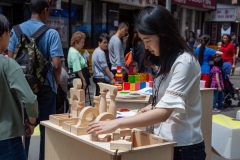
(204, 55)
(217, 82)
(101, 72)
(117, 47)
(236, 45)
(229, 51)
(76, 61)
(14, 91)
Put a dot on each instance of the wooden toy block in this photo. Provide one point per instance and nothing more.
(77, 94)
(67, 125)
(83, 116)
(112, 106)
(76, 108)
(70, 101)
(78, 130)
(105, 116)
(107, 138)
(96, 101)
(103, 103)
(77, 83)
(121, 145)
(93, 137)
(125, 132)
(58, 119)
(116, 136)
(132, 87)
(107, 87)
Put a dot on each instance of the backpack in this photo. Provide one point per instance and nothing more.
(32, 62)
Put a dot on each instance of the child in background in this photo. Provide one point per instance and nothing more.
(217, 82)
(219, 45)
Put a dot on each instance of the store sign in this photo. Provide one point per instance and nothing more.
(140, 3)
(221, 15)
(60, 25)
(205, 4)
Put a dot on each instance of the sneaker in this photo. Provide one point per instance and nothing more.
(222, 109)
(216, 110)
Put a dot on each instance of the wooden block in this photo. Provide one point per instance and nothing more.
(121, 145)
(126, 132)
(77, 83)
(93, 137)
(116, 136)
(79, 130)
(107, 138)
(67, 125)
(83, 116)
(105, 116)
(107, 87)
(77, 94)
(58, 119)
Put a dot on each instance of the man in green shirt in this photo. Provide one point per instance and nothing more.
(14, 91)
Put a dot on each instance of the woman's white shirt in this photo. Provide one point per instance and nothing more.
(180, 90)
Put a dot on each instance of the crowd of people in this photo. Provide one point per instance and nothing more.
(177, 65)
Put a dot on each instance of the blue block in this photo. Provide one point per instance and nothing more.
(142, 85)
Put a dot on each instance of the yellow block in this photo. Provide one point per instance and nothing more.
(225, 121)
(132, 86)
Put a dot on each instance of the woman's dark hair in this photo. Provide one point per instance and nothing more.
(102, 37)
(156, 20)
(193, 34)
(229, 37)
(37, 6)
(4, 24)
(218, 61)
(205, 39)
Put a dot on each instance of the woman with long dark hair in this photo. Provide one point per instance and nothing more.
(176, 102)
(204, 55)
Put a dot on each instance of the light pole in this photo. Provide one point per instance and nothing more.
(168, 5)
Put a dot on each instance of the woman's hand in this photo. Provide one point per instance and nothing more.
(102, 127)
(113, 81)
(233, 66)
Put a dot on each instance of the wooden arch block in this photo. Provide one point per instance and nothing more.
(83, 116)
(105, 116)
(107, 87)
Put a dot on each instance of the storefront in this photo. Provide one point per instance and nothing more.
(189, 14)
(222, 21)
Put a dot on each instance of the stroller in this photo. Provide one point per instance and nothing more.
(229, 91)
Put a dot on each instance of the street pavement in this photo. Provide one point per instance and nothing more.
(230, 111)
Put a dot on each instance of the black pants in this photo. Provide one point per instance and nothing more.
(114, 71)
(97, 80)
(192, 152)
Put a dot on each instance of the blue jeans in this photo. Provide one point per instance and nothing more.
(12, 149)
(218, 96)
(46, 106)
(192, 152)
